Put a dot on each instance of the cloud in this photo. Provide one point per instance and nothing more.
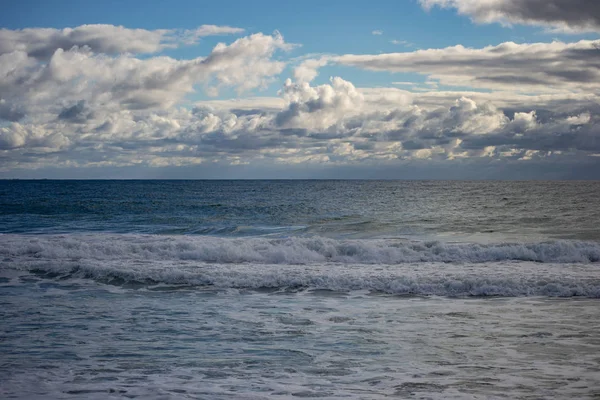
(31, 136)
(42, 43)
(568, 16)
(81, 109)
(317, 108)
(539, 67)
(106, 84)
(193, 35)
(401, 43)
(10, 112)
(335, 124)
(84, 108)
(309, 69)
(76, 113)
(377, 33)
(246, 63)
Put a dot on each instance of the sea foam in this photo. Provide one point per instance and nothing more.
(292, 250)
(561, 268)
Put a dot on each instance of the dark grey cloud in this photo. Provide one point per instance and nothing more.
(242, 112)
(11, 112)
(415, 144)
(77, 113)
(562, 15)
(550, 137)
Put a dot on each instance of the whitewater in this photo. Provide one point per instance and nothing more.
(282, 289)
(560, 268)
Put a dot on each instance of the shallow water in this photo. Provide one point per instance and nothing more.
(73, 339)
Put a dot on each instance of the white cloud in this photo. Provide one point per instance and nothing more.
(309, 69)
(193, 35)
(377, 33)
(110, 83)
(80, 107)
(401, 43)
(246, 63)
(580, 119)
(31, 136)
(538, 67)
(335, 124)
(320, 107)
(42, 43)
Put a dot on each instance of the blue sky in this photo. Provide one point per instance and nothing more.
(397, 61)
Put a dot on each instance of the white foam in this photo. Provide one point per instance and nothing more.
(293, 250)
(314, 263)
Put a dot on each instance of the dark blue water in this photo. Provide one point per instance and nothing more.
(465, 211)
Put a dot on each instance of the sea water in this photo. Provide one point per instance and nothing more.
(286, 289)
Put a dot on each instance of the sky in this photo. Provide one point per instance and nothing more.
(230, 89)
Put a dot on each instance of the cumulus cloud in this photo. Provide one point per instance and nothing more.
(82, 109)
(106, 84)
(569, 16)
(42, 43)
(31, 136)
(89, 106)
(319, 107)
(309, 69)
(540, 67)
(247, 62)
(330, 124)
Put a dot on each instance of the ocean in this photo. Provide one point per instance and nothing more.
(286, 289)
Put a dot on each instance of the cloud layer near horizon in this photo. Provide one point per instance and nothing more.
(83, 97)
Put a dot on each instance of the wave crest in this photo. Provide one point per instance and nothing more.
(509, 280)
(386, 266)
(293, 250)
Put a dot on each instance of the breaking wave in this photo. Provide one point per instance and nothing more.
(558, 269)
(429, 279)
(293, 250)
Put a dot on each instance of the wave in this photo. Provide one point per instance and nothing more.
(507, 280)
(562, 268)
(292, 250)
